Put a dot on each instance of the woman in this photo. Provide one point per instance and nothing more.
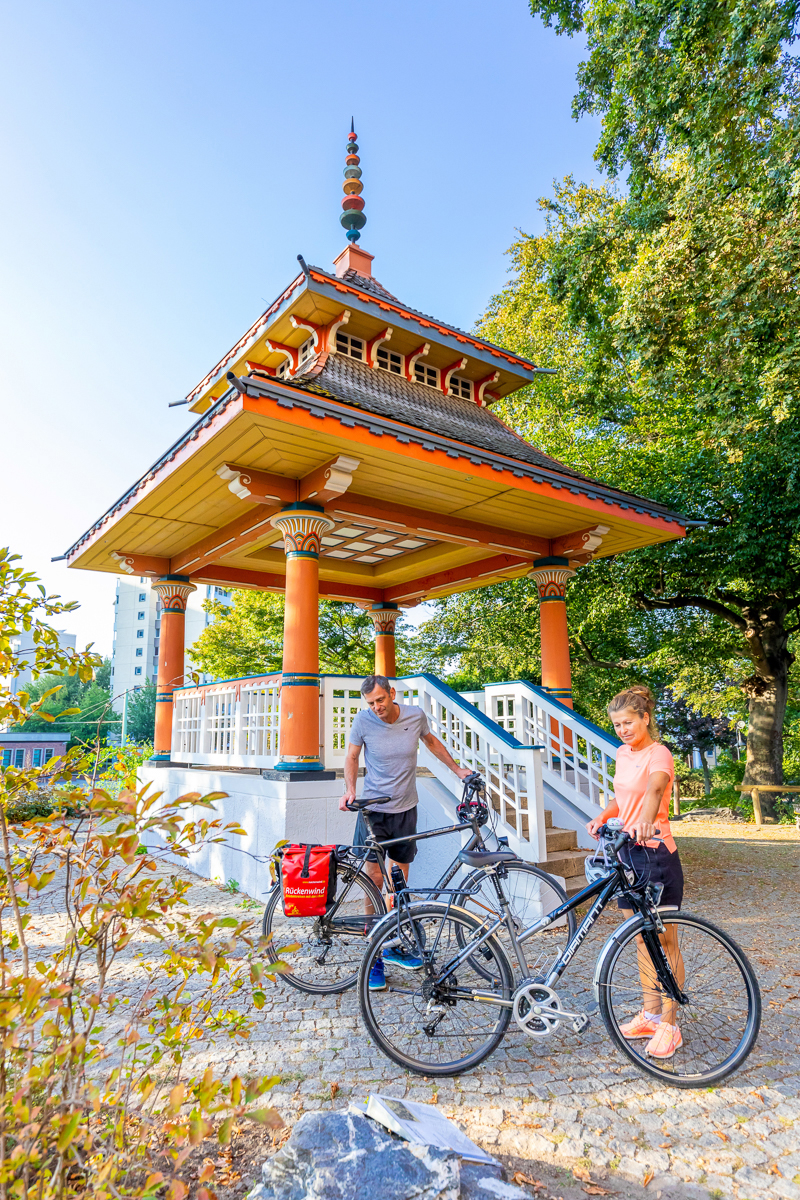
(642, 785)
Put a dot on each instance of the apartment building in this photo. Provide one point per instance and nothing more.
(137, 625)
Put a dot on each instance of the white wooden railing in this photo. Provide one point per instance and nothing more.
(577, 756)
(515, 734)
(512, 771)
(233, 723)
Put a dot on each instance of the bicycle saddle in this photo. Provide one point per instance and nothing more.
(486, 858)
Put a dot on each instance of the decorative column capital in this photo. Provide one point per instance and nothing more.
(384, 618)
(302, 526)
(551, 576)
(174, 591)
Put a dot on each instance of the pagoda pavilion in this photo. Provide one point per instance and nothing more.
(346, 448)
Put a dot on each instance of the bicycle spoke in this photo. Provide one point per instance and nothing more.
(328, 956)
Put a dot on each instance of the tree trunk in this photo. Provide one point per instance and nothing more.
(766, 692)
(706, 773)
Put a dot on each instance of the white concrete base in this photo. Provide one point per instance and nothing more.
(271, 811)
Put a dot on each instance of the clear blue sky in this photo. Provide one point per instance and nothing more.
(165, 162)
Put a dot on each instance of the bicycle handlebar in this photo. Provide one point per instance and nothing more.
(620, 836)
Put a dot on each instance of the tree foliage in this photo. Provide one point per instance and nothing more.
(142, 714)
(246, 637)
(672, 314)
(89, 701)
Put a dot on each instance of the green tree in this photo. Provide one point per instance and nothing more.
(246, 637)
(142, 714)
(88, 700)
(674, 317)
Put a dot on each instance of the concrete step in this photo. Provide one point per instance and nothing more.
(560, 840)
(568, 863)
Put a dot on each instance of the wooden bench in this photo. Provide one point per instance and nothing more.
(755, 792)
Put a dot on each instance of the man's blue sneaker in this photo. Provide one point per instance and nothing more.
(377, 977)
(398, 957)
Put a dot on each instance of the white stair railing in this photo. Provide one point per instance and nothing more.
(577, 756)
(512, 771)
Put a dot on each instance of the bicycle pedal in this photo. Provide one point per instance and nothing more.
(592, 1008)
(580, 1023)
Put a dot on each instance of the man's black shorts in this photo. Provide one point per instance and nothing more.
(389, 825)
(656, 864)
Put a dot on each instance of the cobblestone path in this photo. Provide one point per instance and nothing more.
(573, 1101)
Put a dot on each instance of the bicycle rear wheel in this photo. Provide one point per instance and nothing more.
(531, 894)
(720, 1021)
(423, 1025)
(328, 950)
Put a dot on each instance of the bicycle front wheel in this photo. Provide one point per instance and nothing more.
(325, 951)
(720, 1019)
(426, 1021)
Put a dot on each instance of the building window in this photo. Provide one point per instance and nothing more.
(282, 370)
(37, 756)
(140, 616)
(141, 579)
(353, 347)
(140, 652)
(427, 375)
(48, 754)
(6, 758)
(221, 593)
(306, 350)
(19, 758)
(460, 387)
(140, 633)
(137, 670)
(142, 597)
(388, 360)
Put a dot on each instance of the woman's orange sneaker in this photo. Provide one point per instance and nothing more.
(639, 1026)
(666, 1040)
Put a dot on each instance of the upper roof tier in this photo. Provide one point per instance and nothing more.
(342, 397)
(351, 302)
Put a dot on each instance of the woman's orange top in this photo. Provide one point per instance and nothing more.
(634, 768)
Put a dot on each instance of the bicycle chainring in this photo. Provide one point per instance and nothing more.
(537, 1008)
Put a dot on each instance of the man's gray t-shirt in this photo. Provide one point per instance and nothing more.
(390, 755)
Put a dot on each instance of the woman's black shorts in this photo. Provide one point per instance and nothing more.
(656, 864)
(389, 825)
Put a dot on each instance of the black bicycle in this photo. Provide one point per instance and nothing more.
(327, 950)
(455, 1010)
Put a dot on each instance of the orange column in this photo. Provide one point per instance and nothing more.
(384, 618)
(174, 591)
(551, 576)
(302, 526)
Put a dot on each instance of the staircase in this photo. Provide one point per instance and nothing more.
(564, 858)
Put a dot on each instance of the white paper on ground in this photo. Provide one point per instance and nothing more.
(422, 1124)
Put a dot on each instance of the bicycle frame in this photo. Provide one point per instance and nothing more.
(604, 890)
(373, 844)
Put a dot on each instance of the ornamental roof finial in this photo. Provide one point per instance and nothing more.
(353, 217)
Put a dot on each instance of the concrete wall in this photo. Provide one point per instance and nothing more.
(268, 810)
(271, 811)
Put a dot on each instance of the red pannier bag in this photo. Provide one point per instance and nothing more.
(308, 878)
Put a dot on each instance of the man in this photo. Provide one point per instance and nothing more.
(390, 733)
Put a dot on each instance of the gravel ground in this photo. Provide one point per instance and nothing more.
(570, 1109)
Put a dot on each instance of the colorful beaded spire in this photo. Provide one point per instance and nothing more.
(353, 217)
